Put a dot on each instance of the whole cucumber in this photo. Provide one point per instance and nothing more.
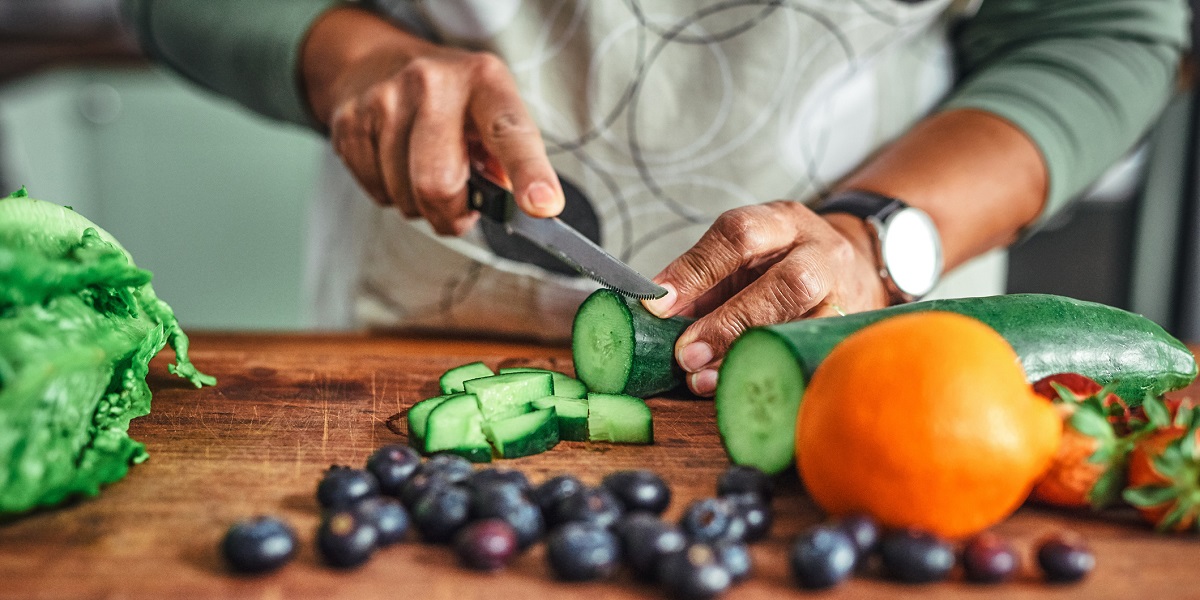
(763, 376)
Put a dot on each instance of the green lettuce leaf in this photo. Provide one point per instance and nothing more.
(79, 323)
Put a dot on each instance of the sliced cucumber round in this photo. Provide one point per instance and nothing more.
(452, 380)
(456, 426)
(758, 399)
(524, 435)
(620, 348)
(620, 419)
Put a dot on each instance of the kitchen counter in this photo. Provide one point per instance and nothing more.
(288, 406)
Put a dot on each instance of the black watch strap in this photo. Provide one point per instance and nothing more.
(860, 203)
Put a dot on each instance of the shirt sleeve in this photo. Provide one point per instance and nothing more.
(1084, 79)
(246, 50)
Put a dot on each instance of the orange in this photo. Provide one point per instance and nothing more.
(924, 420)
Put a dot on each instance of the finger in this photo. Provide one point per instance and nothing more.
(739, 238)
(351, 136)
(395, 123)
(437, 150)
(787, 291)
(509, 133)
(704, 382)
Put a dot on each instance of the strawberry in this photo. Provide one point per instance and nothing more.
(1053, 387)
(1089, 467)
(1164, 468)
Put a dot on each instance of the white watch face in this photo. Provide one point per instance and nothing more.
(911, 250)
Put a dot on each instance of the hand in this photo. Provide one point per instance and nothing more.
(402, 113)
(763, 264)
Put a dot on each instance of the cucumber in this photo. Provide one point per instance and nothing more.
(456, 426)
(564, 385)
(572, 414)
(510, 394)
(523, 435)
(452, 380)
(620, 348)
(418, 416)
(620, 419)
(763, 375)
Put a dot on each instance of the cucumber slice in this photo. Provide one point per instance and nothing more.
(620, 419)
(620, 348)
(418, 416)
(565, 386)
(757, 401)
(572, 416)
(523, 435)
(452, 380)
(509, 395)
(456, 426)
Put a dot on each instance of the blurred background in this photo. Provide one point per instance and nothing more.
(214, 200)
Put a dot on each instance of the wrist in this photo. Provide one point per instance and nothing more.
(339, 45)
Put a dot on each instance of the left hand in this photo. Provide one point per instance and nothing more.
(763, 264)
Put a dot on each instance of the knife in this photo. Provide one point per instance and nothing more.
(496, 203)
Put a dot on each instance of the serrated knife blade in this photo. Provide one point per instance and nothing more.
(495, 202)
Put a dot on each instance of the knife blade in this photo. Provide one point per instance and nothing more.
(495, 202)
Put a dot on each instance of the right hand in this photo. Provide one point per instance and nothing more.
(402, 112)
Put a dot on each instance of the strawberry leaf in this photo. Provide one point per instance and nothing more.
(1148, 496)
(1065, 395)
(1107, 489)
(1156, 411)
(1180, 510)
(1093, 424)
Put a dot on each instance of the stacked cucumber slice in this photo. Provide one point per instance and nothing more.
(520, 411)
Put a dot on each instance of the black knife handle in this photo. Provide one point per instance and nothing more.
(488, 197)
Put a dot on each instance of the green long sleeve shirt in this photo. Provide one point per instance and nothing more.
(1083, 79)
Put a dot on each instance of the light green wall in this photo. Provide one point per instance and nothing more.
(210, 198)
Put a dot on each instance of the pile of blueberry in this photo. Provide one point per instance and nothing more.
(490, 516)
(828, 554)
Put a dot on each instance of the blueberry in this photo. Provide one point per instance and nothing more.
(258, 545)
(582, 551)
(505, 501)
(420, 484)
(712, 519)
(754, 513)
(864, 532)
(451, 467)
(694, 573)
(345, 539)
(343, 487)
(645, 539)
(392, 465)
(591, 505)
(491, 475)
(555, 490)
(387, 516)
(915, 556)
(441, 512)
(743, 479)
(486, 545)
(735, 557)
(989, 558)
(822, 557)
(1065, 558)
(639, 490)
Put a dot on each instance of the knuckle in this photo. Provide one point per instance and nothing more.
(509, 124)
(800, 286)
(742, 232)
(487, 66)
(422, 75)
(436, 184)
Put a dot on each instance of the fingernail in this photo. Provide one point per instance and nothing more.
(541, 196)
(694, 356)
(661, 307)
(704, 383)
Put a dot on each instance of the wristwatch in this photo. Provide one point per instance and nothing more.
(908, 249)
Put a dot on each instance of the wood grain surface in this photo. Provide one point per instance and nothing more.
(287, 407)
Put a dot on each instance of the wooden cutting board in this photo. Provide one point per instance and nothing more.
(287, 407)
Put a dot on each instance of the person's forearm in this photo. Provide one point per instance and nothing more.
(979, 177)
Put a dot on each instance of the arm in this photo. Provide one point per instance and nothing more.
(1052, 96)
(377, 90)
